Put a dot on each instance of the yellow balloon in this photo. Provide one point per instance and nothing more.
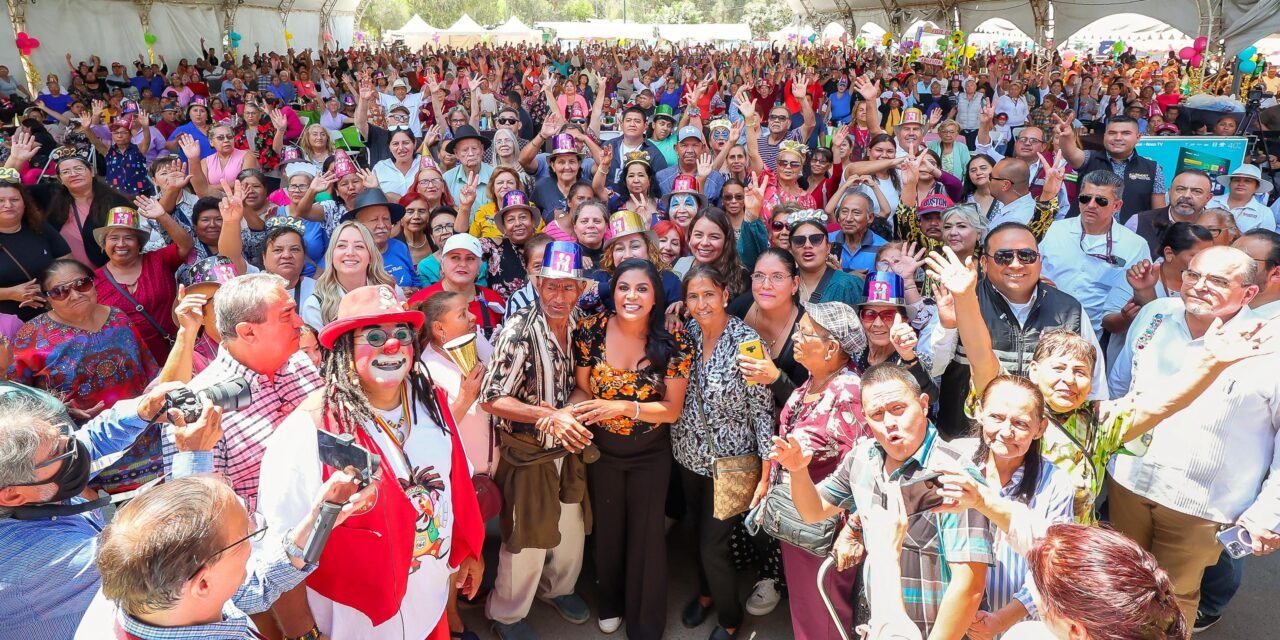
(288, 35)
(969, 51)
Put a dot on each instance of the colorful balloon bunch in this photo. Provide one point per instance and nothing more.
(26, 44)
(1249, 60)
(1194, 54)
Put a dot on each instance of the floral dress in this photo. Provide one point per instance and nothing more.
(266, 154)
(87, 367)
(830, 425)
(640, 385)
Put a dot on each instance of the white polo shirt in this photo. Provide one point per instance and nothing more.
(1210, 460)
(1253, 215)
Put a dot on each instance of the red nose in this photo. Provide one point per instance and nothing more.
(392, 346)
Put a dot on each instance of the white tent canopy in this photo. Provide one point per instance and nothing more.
(1246, 21)
(513, 31)
(464, 33)
(76, 27)
(415, 33)
(647, 32)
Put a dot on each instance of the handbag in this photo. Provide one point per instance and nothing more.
(734, 478)
(487, 492)
(776, 515)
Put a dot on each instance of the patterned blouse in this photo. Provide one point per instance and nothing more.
(88, 367)
(506, 266)
(268, 158)
(609, 383)
(739, 415)
(127, 170)
(1081, 444)
(829, 426)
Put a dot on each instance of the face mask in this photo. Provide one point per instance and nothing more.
(72, 476)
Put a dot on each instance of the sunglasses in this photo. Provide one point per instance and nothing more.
(398, 127)
(377, 337)
(507, 121)
(886, 316)
(60, 292)
(578, 121)
(1004, 257)
(814, 239)
(777, 117)
(1086, 199)
(684, 201)
(777, 225)
(790, 164)
(223, 136)
(69, 450)
(730, 197)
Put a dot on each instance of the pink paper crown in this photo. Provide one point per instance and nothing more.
(291, 153)
(427, 162)
(342, 165)
(514, 199)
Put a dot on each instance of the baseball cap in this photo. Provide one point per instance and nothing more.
(936, 203)
(462, 241)
(690, 132)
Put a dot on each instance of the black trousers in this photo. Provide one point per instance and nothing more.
(628, 501)
(716, 577)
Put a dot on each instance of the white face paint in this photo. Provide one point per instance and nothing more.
(384, 354)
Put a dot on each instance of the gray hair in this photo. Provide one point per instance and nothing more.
(971, 215)
(1104, 178)
(27, 421)
(871, 205)
(244, 299)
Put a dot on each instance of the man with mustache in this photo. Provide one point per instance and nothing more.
(1188, 196)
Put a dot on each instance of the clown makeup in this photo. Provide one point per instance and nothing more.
(383, 354)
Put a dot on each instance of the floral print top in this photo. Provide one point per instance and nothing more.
(609, 383)
(830, 425)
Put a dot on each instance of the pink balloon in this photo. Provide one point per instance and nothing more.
(26, 51)
(1186, 52)
(33, 43)
(22, 35)
(1201, 44)
(1196, 61)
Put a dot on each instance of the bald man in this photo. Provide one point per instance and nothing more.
(1010, 188)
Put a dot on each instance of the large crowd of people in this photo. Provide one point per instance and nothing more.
(945, 329)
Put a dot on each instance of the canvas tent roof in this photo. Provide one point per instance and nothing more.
(513, 31)
(75, 27)
(1246, 21)
(465, 26)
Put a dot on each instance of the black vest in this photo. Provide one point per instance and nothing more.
(1139, 181)
(1013, 344)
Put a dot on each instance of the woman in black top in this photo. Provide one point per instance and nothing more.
(772, 308)
(27, 246)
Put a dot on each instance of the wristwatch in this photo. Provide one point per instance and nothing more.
(311, 634)
(292, 551)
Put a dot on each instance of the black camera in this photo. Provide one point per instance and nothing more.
(230, 396)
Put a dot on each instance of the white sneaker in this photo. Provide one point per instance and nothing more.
(764, 598)
(609, 625)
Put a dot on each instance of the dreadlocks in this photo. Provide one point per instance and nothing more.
(347, 402)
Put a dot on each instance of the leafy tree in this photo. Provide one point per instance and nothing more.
(385, 14)
(579, 10)
(677, 12)
(765, 16)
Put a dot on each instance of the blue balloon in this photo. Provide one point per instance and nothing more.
(235, 37)
(1248, 53)
(1248, 66)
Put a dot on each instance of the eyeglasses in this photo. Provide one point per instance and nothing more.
(398, 127)
(886, 316)
(1086, 199)
(729, 197)
(257, 531)
(1194, 277)
(73, 170)
(775, 279)
(398, 117)
(377, 337)
(996, 177)
(60, 292)
(686, 200)
(1004, 257)
(297, 187)
(814, 239)
(778, 117)
(68, 451)
(790, 164)
(431, 182)
(441, 228)
(777, 224)
(1026, 140)
(223, 136)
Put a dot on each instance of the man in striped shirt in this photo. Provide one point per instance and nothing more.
(260, 325)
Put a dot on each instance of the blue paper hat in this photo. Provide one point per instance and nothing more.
(562, 260)
(885, 288)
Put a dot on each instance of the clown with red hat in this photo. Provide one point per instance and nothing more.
(388, 571)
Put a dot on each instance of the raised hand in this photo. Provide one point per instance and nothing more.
(322, 182)
(1054, 174)
(867, 89)
(753, 195)
(606, 156)
(909, 260)
(945, 267)
(433, 135)
(903, 338)
(190, 310)
(467, 194)
(987, 116)
(946, 306)
(704, 166)
(1230, 344)
(190, 148)
(799, 86)
(23, 147)
(231, 206)
(149, 208)
(278, 119)
(1062, 126)
(789, 453)
(1143, 275)
(367, 177)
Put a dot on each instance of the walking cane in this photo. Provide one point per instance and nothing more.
(823, 571)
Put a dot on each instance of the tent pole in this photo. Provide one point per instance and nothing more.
(326, 17)
(144, 17)
(228, 24)
(18, 20)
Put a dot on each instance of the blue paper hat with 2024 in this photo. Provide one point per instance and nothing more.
(562, 260)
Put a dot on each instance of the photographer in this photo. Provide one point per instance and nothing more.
(48, 532)
(178, 558)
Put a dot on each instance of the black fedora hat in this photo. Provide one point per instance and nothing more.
(374, 197)
(466, 132)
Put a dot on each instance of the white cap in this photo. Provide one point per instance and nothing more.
(462, 241)
(400, 83)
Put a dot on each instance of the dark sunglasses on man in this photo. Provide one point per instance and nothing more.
(1004, 257)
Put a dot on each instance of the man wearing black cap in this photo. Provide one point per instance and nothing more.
(468, 147)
